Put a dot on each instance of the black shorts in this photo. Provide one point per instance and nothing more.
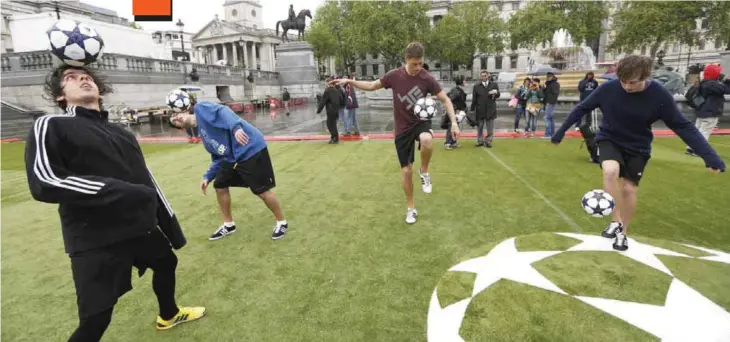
(255, 173)
(405, 143)
(103, 275)
(631, 163)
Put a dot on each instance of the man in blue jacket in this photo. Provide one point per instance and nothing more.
(586, 86)
(630, 105)
(240, 158)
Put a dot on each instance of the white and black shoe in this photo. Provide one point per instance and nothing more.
(610, 231)
(411, 215)
(622, 242)
(279, 231)
(425, 182)
(222, 232)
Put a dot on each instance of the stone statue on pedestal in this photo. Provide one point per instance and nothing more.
(298, 23)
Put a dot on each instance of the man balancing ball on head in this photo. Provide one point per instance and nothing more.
(409, 83)
(630, 105)
(113, 214)
(240, 158)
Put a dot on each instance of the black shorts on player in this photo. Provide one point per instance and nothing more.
(631, 163)
(255, 173)
(404, 143)
(103, 275)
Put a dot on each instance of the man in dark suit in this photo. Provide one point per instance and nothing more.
(484, 104)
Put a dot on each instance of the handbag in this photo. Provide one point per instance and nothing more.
(513, 102)
(445, 121)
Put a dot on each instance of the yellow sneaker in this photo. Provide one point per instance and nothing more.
(186, 314)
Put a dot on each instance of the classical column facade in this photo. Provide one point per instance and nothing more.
(255, 60)
(235, 54)
(244, 46)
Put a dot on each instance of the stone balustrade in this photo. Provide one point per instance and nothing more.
(30, 68)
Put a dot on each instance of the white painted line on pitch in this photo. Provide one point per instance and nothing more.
(550, 203)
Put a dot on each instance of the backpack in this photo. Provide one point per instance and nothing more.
(693, 97)
(343, 97)
(589, 138)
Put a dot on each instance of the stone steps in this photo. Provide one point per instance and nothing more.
(16, 123)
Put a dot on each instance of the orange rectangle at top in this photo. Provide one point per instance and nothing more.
(152, 10)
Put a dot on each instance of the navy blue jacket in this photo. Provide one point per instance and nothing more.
(627, 119)
(714, 94)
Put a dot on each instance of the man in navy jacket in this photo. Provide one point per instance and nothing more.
(630, 105)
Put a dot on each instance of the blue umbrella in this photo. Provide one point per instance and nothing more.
(611, 76)
(545, 71)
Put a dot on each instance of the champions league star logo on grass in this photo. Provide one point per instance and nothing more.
(530, 285)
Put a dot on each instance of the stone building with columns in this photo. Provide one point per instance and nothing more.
(239, 40)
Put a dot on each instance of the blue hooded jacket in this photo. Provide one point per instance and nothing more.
(217, 125)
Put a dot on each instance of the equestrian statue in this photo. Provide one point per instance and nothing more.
(294, 23)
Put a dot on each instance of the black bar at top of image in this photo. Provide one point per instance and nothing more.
(155, 17)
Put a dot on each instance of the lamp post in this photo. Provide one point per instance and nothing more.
(180, 25)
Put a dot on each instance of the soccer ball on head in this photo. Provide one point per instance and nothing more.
(178, 100)
(598, 203)
(425, 108)
(75, 43)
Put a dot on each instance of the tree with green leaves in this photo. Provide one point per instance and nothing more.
(654, 23)
(384, 28)
(718, 21)
(537, 22)
(328, 37)
(468, 28)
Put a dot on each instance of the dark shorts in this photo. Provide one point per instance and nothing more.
(255, 173)
(631, 163)
(103, 275)
(405, 143)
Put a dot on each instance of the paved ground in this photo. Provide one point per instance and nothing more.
(305, 121)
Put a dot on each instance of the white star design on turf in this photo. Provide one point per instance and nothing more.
(716, 255)
(686, 315)
(640, 252)
(505, 262)
(444, 323)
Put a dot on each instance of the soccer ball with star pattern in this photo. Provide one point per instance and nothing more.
(425, 108)
(75, 43)
(598, 203)
(178, 100)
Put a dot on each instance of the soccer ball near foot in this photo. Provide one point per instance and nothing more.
(425, 108)
(598, 203)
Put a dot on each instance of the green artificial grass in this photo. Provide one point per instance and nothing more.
(605, 275)
(511, 311)
(710, 278)
(544, 242)
(350, 268)
(455, 286)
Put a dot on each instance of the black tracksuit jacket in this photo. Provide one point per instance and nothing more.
(97, 174)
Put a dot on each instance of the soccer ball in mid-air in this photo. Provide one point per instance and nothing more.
(598, 203)
(425, 108)
(75, 43)
(178, 100)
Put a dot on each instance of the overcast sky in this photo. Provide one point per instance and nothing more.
(196, 13)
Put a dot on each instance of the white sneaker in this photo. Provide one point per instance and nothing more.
(425, 182)
(411, 216)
